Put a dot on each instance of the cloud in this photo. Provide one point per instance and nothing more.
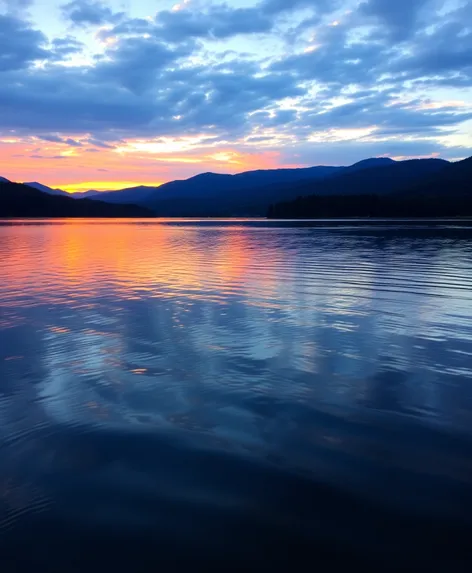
(347, 152)
(218, 22)
(443, 53)
(90, 13)
(399, 17)
(72, 142)
(20, 45)
(64, 100)
(182, 74)
(52, 138)
(37, 156)
(63, 47)
(335, 60)
(280, 6)
(357, 50)
(16, 6)
(135, 62)
(100, 144)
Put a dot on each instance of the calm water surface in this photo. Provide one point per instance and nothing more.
(235, 395)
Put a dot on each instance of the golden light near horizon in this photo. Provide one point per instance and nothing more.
(136, 162)
(104, 185)
(226, 157)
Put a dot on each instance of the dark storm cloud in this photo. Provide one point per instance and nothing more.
(90, 12)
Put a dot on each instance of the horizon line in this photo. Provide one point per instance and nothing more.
(110, 186)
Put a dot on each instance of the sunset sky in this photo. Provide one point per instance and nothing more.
(105, 95)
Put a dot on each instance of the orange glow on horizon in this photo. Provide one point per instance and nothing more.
(87, 167)
(104, 185)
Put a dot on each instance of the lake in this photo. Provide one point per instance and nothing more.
(235, 395)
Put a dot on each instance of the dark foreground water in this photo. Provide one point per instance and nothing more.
(235, 396)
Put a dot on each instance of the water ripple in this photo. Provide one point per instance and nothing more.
(140, 353)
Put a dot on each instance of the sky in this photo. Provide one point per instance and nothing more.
(106, 95)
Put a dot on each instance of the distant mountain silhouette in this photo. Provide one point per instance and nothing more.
(45, 188)
(83, 194)
(17, 200)
(454, 180)
(373, 187)
(51, 191)
(213, 194)
(225, 195)
(371, 162)
(416, 188)
(382, 179)
(240, 194)
(136, 195)
(4, 180)
(207, 186)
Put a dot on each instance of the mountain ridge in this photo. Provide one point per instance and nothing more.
(57, 191)
(230, 194)
(185, 188)
(251, 193)
(446, 191)
(255, 201)
(140, 193)
(18, 200)
(45, 188)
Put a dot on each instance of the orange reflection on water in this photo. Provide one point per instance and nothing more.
(69, 260)
(233, 256)
(59, 330)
